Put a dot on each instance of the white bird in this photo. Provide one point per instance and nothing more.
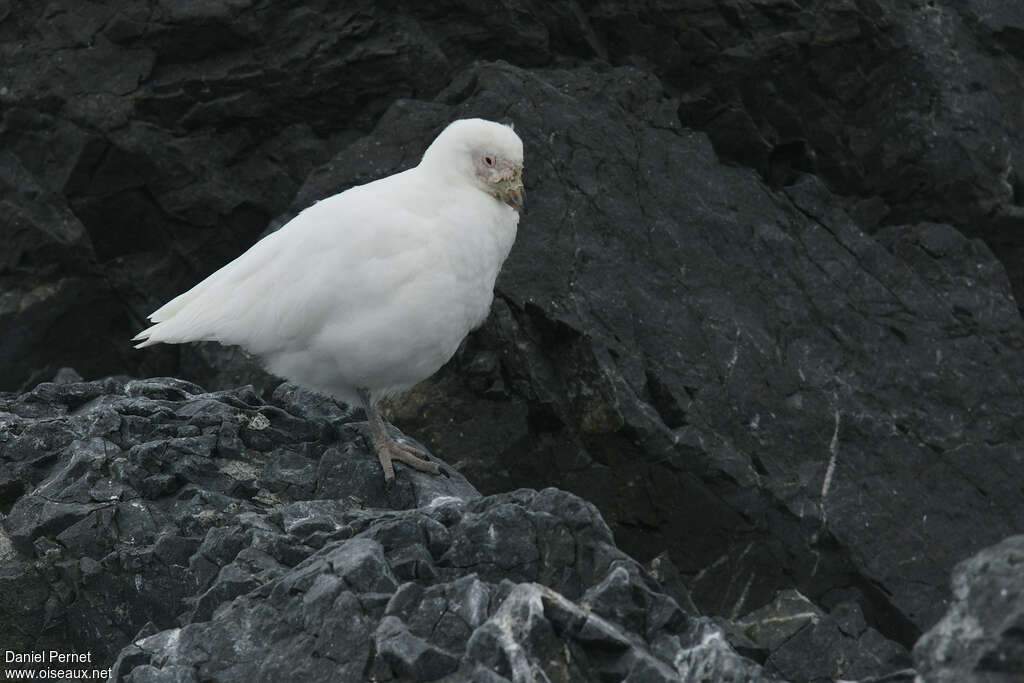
(372, 290)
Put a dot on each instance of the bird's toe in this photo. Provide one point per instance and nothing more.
(391, 451)
(414, 457)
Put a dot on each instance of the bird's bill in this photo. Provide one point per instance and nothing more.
(515, 197)
(511, 192)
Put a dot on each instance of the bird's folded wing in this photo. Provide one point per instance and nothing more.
(337, 259)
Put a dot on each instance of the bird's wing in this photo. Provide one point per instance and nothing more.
(341, 254)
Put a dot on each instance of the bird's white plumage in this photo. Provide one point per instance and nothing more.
(371, 288)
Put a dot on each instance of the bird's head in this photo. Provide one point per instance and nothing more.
(487, 154)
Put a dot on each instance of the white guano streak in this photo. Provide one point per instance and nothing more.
(833, 448)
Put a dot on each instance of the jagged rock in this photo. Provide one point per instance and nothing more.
(792, 626)
(980, 639)
(344, 614)
(216, 536)
(147, 501)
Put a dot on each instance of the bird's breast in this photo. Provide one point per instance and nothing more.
(474, 256)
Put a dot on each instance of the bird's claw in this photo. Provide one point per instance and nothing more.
(405, 453)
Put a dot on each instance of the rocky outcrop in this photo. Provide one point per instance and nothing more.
(747, 314)
(214, 536)
(981, 636)
(111, 487)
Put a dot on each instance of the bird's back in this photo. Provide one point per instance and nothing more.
(285, 284)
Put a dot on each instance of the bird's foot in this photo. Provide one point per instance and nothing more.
(389, 449)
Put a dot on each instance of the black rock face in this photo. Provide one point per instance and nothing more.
(739, 375)
(762, 312)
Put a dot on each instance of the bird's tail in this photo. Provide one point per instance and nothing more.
(179, 320)
(145, 338)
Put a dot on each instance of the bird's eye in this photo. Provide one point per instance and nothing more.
(489, 161)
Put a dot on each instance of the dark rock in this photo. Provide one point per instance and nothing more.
(981, 636)
(409, 656)
(665, 572)
(121, 495)
(792, 626)
(136, 536)
(457, 622)
(728, 370)
(912, 103)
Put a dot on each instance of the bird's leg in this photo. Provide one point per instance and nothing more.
(388, 448)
